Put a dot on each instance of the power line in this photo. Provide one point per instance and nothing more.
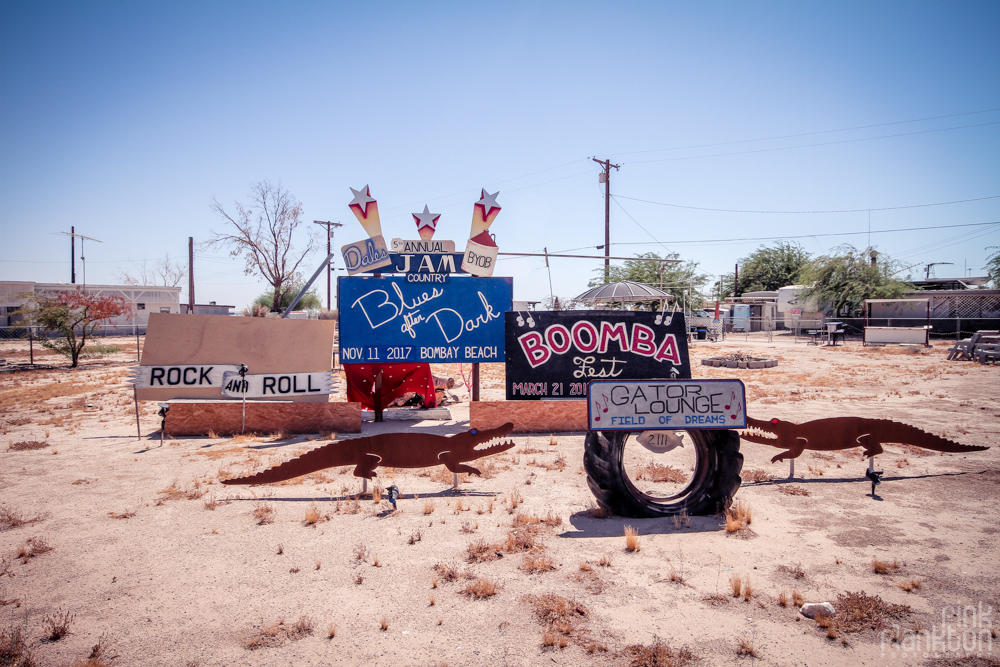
(821, 143)
(809, 236)
(805, 134)
(846, 210)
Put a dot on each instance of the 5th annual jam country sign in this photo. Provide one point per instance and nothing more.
(555, 354)
(390, 320)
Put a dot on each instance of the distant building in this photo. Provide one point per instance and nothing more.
(210, 308)
(143, 299)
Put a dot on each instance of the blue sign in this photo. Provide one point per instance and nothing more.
(393, 320)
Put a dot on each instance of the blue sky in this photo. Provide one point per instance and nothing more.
(127, 119)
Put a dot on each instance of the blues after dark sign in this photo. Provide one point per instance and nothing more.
(390, 319)
(565, 350)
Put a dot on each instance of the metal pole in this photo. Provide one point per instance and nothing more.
(190, 275)
(72, 255)
(135, 399)
(329, 251)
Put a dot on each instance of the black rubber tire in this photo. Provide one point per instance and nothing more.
(711, 489)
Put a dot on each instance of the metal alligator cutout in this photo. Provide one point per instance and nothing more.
(844, 433)
(393, 450)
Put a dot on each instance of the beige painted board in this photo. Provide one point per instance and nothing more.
(265, 345)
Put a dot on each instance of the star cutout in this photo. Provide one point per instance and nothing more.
(362, 198)
(488, 202)
(426, 219)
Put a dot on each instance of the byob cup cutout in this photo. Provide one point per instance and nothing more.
(480, 255)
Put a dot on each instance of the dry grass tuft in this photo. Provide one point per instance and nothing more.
(794, 570)
(632, 539)
(56, 625)
(657, 654)
(331, 631)
(448, 573)
(481, 588)
(656, 472)
(312, 516)
(884, 567)
(558, 614)
(121, 515)
(792, 490)
(797, 598)
(747, 588)
(738, 519)
(783, 598)
(175, 492)
(910, 585)
(34, 546)
(14, 649)
(745, 648)
(736, 583)
(101, 654)
(263, 514)
(482, 551)
(12, 518)
(278, 634)
(756, 475)
(537, 564)
(383, 623)
(27, 445)
(429, 507)
(598, 512)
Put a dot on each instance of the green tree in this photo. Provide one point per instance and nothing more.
(993, 266)
(674, 277)
(309, 301)
(849, 276)
(73, 316)
(767, 269)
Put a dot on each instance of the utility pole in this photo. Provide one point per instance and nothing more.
(606, 179)
(72, 255)
(190, 275)
(329, 252)
(72, 246)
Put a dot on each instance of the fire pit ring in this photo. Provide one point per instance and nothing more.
(739, 360)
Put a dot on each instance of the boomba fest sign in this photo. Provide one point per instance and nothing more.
(564, 350)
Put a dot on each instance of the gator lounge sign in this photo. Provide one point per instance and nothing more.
(390, 319)
(646, 405)
(564, 350)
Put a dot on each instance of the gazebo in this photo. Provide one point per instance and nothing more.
(625, 291)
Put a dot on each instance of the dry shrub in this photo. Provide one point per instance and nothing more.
(14, 649)
(632, 539)
(429, 507)
(278, 634)
(56, 625)
(795, 570)
(481, 588)
(656, 472)
(34, 546)
(783, 598)
(910, 585)
(745, 648)
(175, 492)
(449, 572)
(513, 500)
(586, 567)
(12, 518)
(263, 514)
(598, 512)
(312, 516)
(415, 537)
(121, 515)
(657, 654)
(537, 564)
(797, 598)
(331, 631)
(482, 551)
(738, 518)
(556, 613)
(756, 475)
(884, 567)
(857, 612)
(101, 654)
(792, 490)
(26, 445)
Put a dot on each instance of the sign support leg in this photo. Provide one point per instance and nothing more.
(135, 399)
(791, 468)
(475, 381)
(377, 396)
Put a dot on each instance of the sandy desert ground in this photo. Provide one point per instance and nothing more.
(138, 548)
